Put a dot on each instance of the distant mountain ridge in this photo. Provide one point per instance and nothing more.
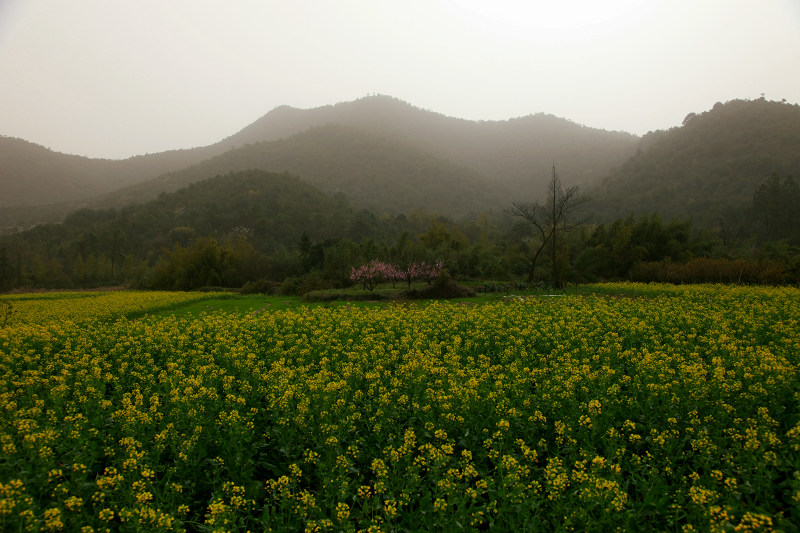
(383, 174)
(389, 156)
(507, 150)
(31, 174)
(511, 156)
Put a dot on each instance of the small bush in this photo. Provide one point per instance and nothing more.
(260, 286)
(444, 287)
(705, 270)
(300, 285)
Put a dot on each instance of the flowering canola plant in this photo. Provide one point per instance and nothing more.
(678, 409)
(41, 308)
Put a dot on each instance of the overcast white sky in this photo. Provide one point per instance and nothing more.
(108, 78)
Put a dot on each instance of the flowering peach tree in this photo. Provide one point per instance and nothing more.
(418, 270)
(374, 272)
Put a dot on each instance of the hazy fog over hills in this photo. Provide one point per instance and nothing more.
(383, 174)
(496, 158)
(82, 78)
(389, 156)
(34, 175)
(509, 150)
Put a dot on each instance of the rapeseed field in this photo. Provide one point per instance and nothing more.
(42, 308)
(675, 409)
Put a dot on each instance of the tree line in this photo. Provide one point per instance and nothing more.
(274, 233)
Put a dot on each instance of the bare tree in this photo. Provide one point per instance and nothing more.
(548, 219)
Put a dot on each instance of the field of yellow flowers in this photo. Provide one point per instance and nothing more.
(675, 410)
(46, 307)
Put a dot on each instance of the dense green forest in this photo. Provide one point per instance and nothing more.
(278, 233)
(712, 200)
(708, 168)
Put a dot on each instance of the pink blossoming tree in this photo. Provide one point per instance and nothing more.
(371, 274)
(419, 270)
(374, 272)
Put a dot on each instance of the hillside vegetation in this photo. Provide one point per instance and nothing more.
(714, 200)
(517, 151)
(32, 175)
(383, 144)
(277, 233)
(388, 156)
(258, 217)
(277, 208)
(383, 174)
(708, 167)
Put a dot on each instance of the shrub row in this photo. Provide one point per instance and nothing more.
(706, 270)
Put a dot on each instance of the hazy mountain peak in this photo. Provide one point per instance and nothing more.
(512, 157)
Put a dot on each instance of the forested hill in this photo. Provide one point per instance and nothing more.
(383, 174)
(707, 168)
(274, 210)
(391, 157)
(517, 151)
(420, 151)
(31, 174)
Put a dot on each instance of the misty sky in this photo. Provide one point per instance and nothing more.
(114, 79)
